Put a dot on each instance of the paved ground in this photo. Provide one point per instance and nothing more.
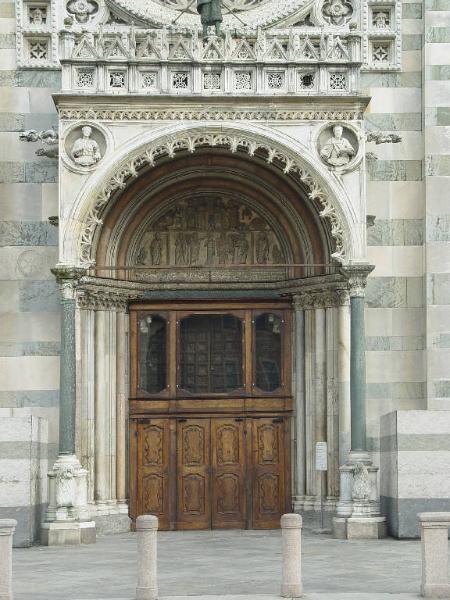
(214, 563)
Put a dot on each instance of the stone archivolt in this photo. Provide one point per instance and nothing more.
(169, 146)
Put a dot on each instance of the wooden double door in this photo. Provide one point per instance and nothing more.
(212, 472)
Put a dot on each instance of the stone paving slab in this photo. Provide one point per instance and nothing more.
(219, 564)
(306, 596)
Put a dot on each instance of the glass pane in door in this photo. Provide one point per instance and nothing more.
(211, 354)
(152, 354)
(268, 352)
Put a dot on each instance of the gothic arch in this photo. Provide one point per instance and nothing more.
(81, 230)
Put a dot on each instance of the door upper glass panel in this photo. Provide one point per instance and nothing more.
(211, 354)
(268, 352)
(153, 364)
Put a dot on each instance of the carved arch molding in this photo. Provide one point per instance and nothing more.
(172, 145)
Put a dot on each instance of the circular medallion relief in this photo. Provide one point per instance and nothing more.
(237, 14)
(338, 147)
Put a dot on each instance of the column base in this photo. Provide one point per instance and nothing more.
(436, 590)
(69, 533)
(359, 528)
(340, 528)
(67, 520)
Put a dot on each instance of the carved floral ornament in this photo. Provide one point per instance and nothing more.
(171, 145)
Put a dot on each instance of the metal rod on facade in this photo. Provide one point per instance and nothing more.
(183, 11)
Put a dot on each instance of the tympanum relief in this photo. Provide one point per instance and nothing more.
(208, 231)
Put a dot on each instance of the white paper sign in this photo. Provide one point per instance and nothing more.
(321, 456)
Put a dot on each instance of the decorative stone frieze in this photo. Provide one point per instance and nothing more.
(207, 114)
(184, 64)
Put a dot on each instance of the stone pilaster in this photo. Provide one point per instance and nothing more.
(67, 520)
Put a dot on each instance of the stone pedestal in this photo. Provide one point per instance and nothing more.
(434, 533)
(366, 528)
(7, 527)
(67, 519)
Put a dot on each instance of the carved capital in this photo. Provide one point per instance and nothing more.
(356, 276)
(68, 278)
(102, 300)
(319, 298)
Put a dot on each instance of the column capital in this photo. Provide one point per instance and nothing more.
(102, 300)
(68, 278)
(321, 298)
(356, 276)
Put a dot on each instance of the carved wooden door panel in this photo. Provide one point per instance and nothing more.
(193, 479)
(228, 473)
(153, 448)
(269, 485)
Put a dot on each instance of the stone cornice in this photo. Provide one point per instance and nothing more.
(168, 108)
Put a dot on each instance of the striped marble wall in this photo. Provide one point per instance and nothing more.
(29, 304)
(396, 328)
(436, 96)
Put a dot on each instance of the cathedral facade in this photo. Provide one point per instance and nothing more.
(225, 264)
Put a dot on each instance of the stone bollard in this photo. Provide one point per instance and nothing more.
(147, 585)
(7, 527)
(291, 575)
(434, 534)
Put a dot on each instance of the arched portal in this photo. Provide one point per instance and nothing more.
(212, 273)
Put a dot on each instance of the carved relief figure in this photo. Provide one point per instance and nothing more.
(156, 249)
(37, 16)
(262, 249)
(211, 14)
(86, 151)
(243, 249)
(181, 249)
(337, 151)
(210, 245)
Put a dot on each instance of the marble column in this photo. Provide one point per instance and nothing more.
(68, 520)
(101, 494)
(357, 278)
(343, 373)
(299, 394)
(320, 378)
(121, 410)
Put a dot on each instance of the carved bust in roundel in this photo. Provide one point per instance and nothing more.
(85, 150)
(235, 13)
(337, 151)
